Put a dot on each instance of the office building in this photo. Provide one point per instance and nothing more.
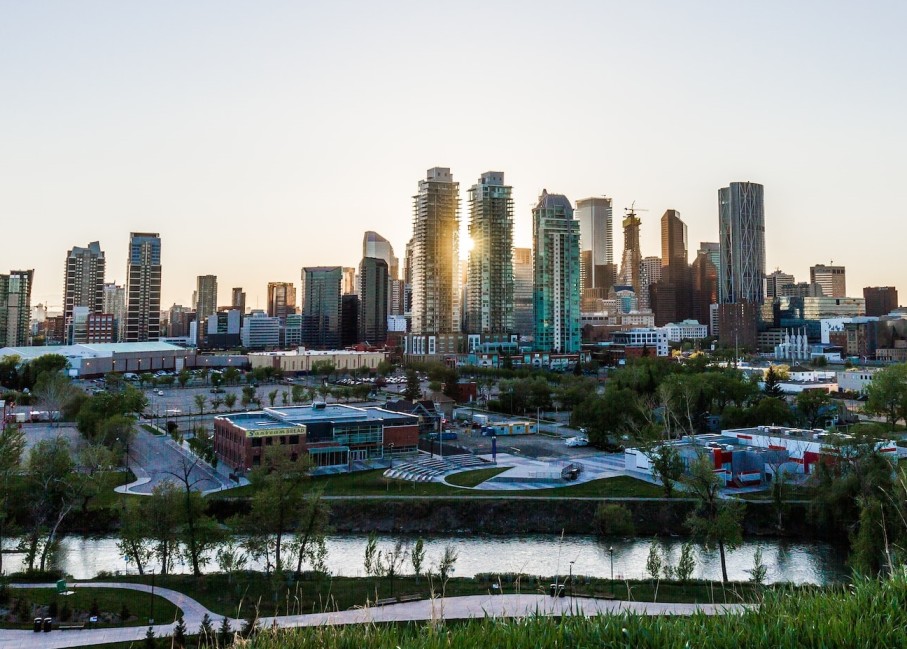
(523, 313)
(704, 278)
(596, 226)
(238, 299)
(281, 300)
(741, 225)
(179, 321)
(713, 250)
(223, 329)
(83, 285)
(880, 300)
(349, 320)
(436, 255)
(321, 306)
(143, 288)
(832, 279)
(490, 270)
(349, 285)
(556, 272)
(377, 247)
(649, 274)
(673, 290)
(776, 284)
(260, 331)
(206, 302)
(15, 308)
(373, 311)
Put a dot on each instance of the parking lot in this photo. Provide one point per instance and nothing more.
(538, 446)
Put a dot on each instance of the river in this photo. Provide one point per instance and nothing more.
(815, 563)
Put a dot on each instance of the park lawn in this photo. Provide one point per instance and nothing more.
(373, 483)
(107, 497)
(791, 493)
(109, 603)
(474, 478)
(244, 594)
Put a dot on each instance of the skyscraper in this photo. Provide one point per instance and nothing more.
(206, 303)
(704, 287)
(713, 250)
(490, 272)
(435, 255)
(238, 299)
(281, 300)
(373, 286)
(115, 304)
(83, 284)
(15, 307)
(629, 270)
(349, 285)
(673, 289)
(377, 247)
(321, 306)
(741, 225)
(143, 287)
(596, 243)
(649, 274)
(832, 279)
(523, 320)
(555, 239)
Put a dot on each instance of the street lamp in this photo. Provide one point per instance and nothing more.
(392, 455)
(572, 591)
(611, 552)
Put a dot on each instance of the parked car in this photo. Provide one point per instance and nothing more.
(576, 441)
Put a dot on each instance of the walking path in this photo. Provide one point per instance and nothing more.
(450, 608)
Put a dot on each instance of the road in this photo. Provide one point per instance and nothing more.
(157, 458)
(450, 608)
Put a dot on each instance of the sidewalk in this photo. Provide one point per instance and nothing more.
(451, 608)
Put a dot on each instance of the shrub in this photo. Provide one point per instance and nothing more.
(613, 519)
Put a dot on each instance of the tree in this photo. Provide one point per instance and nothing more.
(104, 417)
(272, 397)
(135, 541)
(716, 522)
(413, 391)
(667, 466)
(198, 531)
(447, 562)
(230, 558)
(230, 400)
(12, 443)
(183, 378)
(162, 518)
(309, 543)
(224, 632)
(231, 376)
(200, 402)
(759, 571)
(206, 633)
(887, 394)
(371, 555)
(179, 632)
(390, 562)
(607, 415)
(53, 391)
(614, 519)
(216, 403)
(812, 404)
(298, 393)
(51, 494)
(686, 564)
(772, 387)
(150, 642)
(94, 460)
(417, 557)
(277, 496)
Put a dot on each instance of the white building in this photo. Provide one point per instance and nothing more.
(855, 380)
(655, 339)
(260, 331)
(302, 359)
(686, 330)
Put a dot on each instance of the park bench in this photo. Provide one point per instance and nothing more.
(386, 601)
(410, 598)
(71, 627)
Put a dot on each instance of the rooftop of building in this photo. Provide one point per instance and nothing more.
(302, 351)
(91, 350)
(294, 416)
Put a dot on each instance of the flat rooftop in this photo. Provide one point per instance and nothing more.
(273, 418)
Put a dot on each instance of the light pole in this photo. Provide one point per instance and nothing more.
(392, 455)
(151, 617)
(572, 592)
(611, 552)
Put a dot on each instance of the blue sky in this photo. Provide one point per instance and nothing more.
(261, 137)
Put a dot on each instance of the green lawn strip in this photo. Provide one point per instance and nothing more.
(473, 478)
(373, 483)
(791, 493)
(108, 602)
(151, 429)
(107, 497)
(244, 593)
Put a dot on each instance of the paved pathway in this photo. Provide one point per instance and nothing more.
(451, 608)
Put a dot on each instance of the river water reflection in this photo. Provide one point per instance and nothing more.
(815, 563)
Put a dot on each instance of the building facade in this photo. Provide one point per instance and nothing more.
(238, 299)
(260, 331)
(630, 265)
(321, 306)
(436, 255)
(205, 302)
(373, 311)
(556, 272)
(741, 225)
(143, 287)
(832, 279)
(880, 300)
(673, 291)
(596, 233)
(281, 300)
(490, 268)
(15, 308)
(523, 318)
(83, 284)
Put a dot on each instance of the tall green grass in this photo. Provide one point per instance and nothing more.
(870, 614)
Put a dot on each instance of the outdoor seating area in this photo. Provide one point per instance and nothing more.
(428, 468)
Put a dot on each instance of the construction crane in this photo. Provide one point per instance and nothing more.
(631, 211)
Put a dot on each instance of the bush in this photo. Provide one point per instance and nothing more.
(613, 519)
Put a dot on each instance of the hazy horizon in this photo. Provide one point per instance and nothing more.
(258, 139)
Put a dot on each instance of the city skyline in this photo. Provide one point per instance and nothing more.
(209, 143)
